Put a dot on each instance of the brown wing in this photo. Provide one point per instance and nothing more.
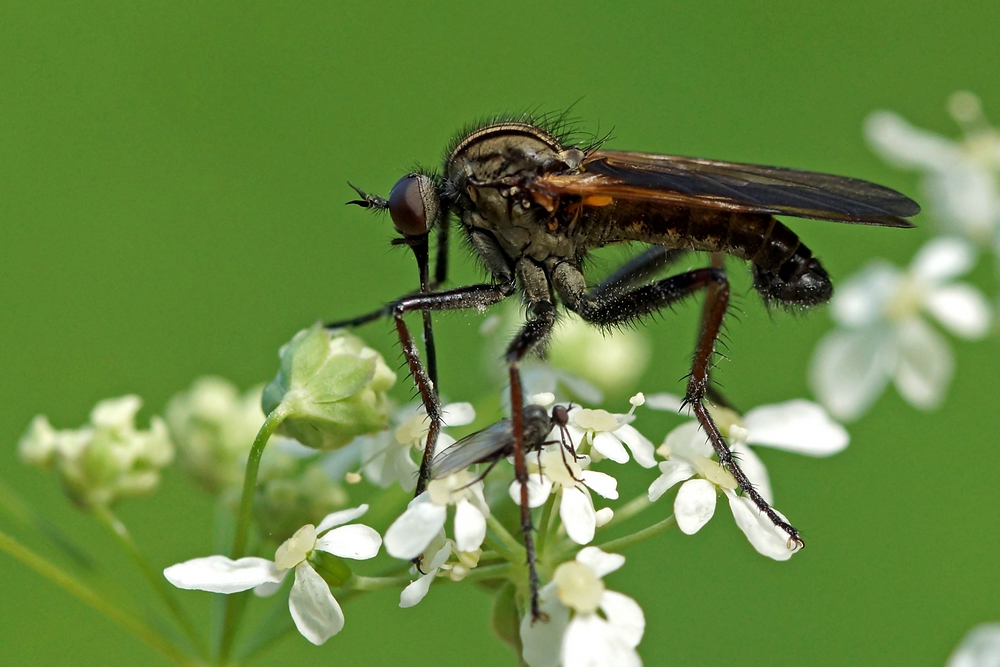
(697, 183)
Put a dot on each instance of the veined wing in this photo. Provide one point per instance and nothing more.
(698, 183)
(491, 443)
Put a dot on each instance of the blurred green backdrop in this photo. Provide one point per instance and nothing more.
(172, 180)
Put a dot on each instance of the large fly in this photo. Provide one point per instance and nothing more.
(532, 204)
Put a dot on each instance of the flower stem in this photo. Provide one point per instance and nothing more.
(543, 523)
(629, 510)
(359, 583)
(155, 578)
(637, 537)
(234, 604)
(504, 544)
(89, 597)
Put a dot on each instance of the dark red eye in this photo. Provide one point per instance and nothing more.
(413, 205)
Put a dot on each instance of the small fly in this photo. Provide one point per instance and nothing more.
(531, 203)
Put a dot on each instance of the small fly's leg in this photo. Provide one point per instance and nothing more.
(621, 306)
(541, 319)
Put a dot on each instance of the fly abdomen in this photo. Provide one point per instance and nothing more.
(784, 270)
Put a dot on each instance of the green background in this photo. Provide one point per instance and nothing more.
(172, 180)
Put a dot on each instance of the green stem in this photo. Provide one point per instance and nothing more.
(154, 577)
(234, 605)
(543, 524)
(637, 537)
(629, 510)
(504, 544)
(89, 597)
(359, 583)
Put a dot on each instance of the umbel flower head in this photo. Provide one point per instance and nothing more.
(882, 335)
(103, 460)
(587, 625)
(213, 425)
(314, 553)
(331, 388)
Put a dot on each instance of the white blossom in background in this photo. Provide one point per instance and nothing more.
(612, 360)
(559, 472)
(388, 456)
(424, 518)
(980, 648)
(316, 613)
(961, 178)
(576, 635)
(689, 460)
(104, 460)
(609, 434)
(882, 336)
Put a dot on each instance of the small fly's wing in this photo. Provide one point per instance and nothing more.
(697, 183)
(491, 444)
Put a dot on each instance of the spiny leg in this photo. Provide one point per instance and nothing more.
(536, 330)
(716, 305)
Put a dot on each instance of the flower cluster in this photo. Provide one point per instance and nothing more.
(104, 460)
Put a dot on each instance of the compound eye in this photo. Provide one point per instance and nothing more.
(560, 415)
(413, 205)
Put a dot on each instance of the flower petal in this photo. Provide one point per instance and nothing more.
(356, 541)
(688, 441)
(850, 369)
(638, 444)
(603, 484)
(861, 299)
(625, 616)
(610, 446)
(410, 534)
(902, 144)
(694, 505)
(755, 470)
(416, 590)
(218, 574)
(458, 414)
(314, 610)
(538, 490)
(578, 516)
(340, 518)
(961, 308)
(667, 402)
(590, 641)
(798, 426)
(542, 642)
(925, 364)
(602, 563)
(979, 648)
(766, 538)
(671, 472)
(943, 258)
(470, 526)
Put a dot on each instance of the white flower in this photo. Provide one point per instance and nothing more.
(980, 648)
(606, 433)
(424, 518)
(316, 613)
(612, 360)
(560, 471)
(690, 458)
(882, 335)
(388, 456)
(576, 635)
(436, 559)
(961, 178)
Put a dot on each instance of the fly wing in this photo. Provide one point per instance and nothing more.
(749, 188)
(490, 444)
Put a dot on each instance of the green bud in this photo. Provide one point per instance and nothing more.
(332, 568)
(331, 387)
(298, 495)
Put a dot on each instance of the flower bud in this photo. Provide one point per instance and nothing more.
(106, 459)
(331, 388)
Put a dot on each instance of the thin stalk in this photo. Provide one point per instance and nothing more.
(154, 577)
(543, 524)
(637, 537)
(504, 543)
(629, 510)
(89, 597)
(234, 604)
